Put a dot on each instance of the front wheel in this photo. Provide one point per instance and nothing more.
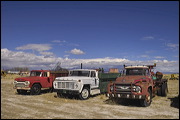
(84, 95)
(147, 101)
(35, 90)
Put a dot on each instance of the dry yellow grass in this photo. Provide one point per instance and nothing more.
(168, 76)
(48, 106)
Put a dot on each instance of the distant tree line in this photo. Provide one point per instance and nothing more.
(22, 69)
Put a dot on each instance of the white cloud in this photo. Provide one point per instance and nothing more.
(144, 56)
(176, 56)
(23, 59)
(172, 46)
(59, 41)
(76, 51)
(147, 38)
(36, 47)
(46, 53)
(11, 59)
(158, 57)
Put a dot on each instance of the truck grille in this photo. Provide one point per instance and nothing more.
(20, 85)
(123, 88)
(66, 85)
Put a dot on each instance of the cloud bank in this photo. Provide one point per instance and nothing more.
(11, 59)
(36, 47)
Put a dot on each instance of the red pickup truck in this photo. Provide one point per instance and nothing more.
(38, 80)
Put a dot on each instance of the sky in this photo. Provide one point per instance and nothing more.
(108, 34)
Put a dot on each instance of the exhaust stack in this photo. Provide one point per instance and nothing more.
(81, 65)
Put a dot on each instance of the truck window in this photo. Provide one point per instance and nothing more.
(147, 72)
(80, 73)
(135, 72)
(93, 74)
(35, 73)
(45, 74)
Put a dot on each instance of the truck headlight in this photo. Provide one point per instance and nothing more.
(15, 82)
(27, 82)
(111, 88)
(137, 89)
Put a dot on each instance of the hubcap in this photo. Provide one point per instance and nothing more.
(85, 93)
(148, 98)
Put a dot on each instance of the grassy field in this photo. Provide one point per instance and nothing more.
(49, 106)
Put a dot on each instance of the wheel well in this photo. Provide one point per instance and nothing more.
(150, 88)
(86, 85)
(37, 84)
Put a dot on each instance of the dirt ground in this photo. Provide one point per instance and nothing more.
(49, 106)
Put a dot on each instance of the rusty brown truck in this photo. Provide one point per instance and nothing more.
(138, 82)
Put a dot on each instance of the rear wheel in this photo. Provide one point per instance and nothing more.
(35, 90)
(147, 101)
(159, 91)
(164, 89)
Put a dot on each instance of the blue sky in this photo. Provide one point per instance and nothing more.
(37, 34)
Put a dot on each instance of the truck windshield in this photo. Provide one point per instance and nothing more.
(137, 71)
(79, 73)
(35, 73)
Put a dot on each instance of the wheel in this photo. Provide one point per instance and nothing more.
(84, 95)
(159, 91)
(35, 90)
(21, 91)
(147, 101)
(164, 89)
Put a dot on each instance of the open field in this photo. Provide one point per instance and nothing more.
(48, 106)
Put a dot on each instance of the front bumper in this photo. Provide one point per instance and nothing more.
(21, 85)
(22, 88)
(72, 92)
(129, 96)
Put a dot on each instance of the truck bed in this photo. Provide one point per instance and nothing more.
(105, 78)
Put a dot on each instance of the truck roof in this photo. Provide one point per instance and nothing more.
(83, 70)
(41, 70)
(146, 67)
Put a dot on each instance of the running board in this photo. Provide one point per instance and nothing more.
(95, 91)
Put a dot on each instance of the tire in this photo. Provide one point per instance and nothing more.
(21, 91)
(164, 90)
(159, 91)
(35, 89)
(84, 95)
(147, 101)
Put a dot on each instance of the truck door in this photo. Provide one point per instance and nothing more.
(45, 80)
(95, 80)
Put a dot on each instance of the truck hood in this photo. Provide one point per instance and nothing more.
(132, 79)
(29, 78)
(70, 78)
